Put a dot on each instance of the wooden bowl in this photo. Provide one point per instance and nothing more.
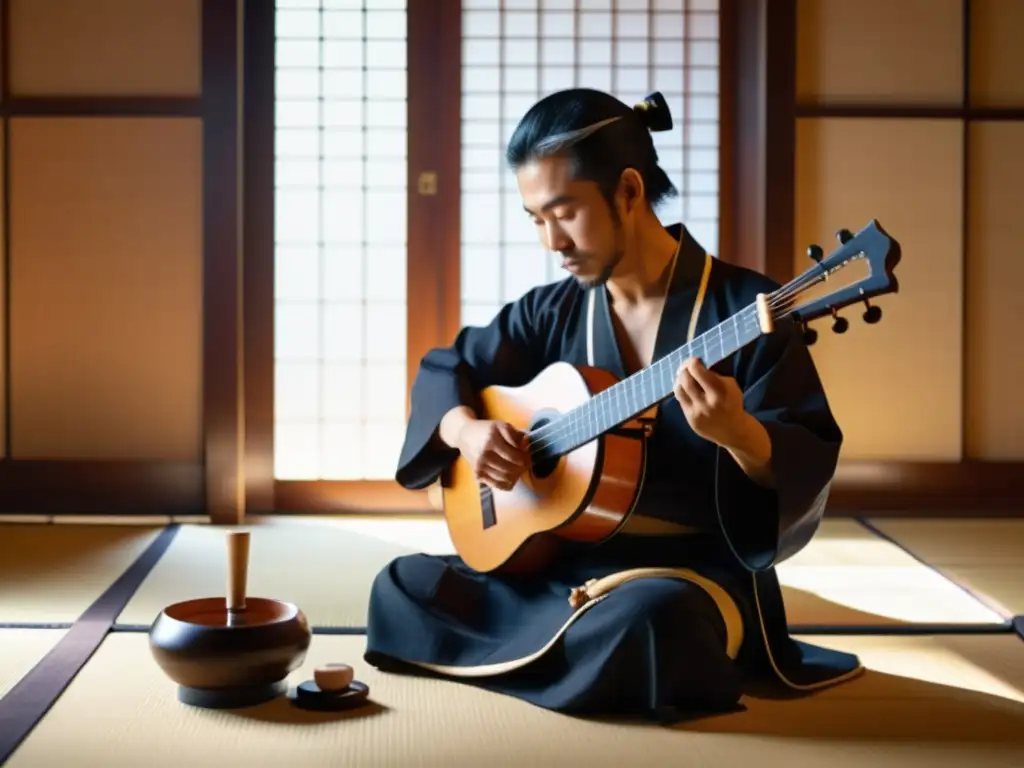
(223, 658)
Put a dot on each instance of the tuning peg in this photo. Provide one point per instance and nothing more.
(872, 314)
(815, 253)
(839, 324)
(844, 236)
(810, 335)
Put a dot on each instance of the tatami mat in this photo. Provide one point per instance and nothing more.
(985, 555)
(846, 576)
(22, 649)
(979, 541)
(52, 573)
(327, 571)
(924, 702)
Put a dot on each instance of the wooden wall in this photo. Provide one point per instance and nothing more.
(913, 113)
(123, 220)
(109, 137)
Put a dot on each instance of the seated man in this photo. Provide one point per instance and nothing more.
(738, 469)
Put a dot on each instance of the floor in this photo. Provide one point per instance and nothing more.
(928, 605)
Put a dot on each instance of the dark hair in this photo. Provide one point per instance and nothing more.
(548, 129)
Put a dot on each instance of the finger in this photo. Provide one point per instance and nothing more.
(685, 370)
(506, 481)
(488, 463)
(691, 387)
(508, 453)
(493, 476)
(510, 433)
(687, 376)
(709, 381)
(681, 396)
(494, 463)
(496, 483)
(499, 480)
(513, 445)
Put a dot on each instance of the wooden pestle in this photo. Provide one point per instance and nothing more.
(238, 570)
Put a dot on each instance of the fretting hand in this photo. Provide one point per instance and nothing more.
(712, 404)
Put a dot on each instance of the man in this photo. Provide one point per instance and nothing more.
(739, 460)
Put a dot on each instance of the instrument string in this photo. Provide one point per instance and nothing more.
(779, 302)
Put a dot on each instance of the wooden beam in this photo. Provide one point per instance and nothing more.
(761, 80)
(36, 487)
(909, 112)
(447, 120)
(883, 488)
(728, 61)
(222, 264)
(929, 489)
(5, 212)
(357, 497)
(434, 230)
(779, 140)
(258, 244)
(102, 106)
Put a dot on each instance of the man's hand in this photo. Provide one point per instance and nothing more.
(713, 406)
(495, 450)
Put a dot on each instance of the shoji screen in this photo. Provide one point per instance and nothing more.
(340, 251)
(514, 52)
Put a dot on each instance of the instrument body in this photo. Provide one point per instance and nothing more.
(585, 495)
(587, 430)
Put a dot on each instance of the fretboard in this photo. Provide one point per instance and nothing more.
(645, 388)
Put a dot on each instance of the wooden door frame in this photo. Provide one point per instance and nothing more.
(434, 34)
(435, 43)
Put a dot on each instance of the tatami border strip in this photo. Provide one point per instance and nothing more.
(794, 629)
(31, 698)
(136, 628)
(901, 630)
(980, 598)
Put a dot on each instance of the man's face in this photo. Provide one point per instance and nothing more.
(572, 219)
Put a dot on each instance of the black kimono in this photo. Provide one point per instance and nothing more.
(672, 620)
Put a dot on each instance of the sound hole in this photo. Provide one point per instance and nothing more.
(546, 458)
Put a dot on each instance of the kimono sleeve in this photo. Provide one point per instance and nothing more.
(511, 350)
(782, 389)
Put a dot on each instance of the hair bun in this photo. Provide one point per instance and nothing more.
(655, 113)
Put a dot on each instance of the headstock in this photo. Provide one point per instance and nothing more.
(873, 245)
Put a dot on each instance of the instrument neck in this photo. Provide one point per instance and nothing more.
(646, 388)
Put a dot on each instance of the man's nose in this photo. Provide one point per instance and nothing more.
(557, 240)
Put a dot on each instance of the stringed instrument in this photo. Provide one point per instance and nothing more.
(586, 472)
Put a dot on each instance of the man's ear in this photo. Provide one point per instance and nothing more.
(631, 190)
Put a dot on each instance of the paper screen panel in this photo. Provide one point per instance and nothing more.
(106, 291)
(105, 47)
(340, 239)
(880, 51)
(516, 51)
(895, 387)
(995, 269)
(997, 57)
